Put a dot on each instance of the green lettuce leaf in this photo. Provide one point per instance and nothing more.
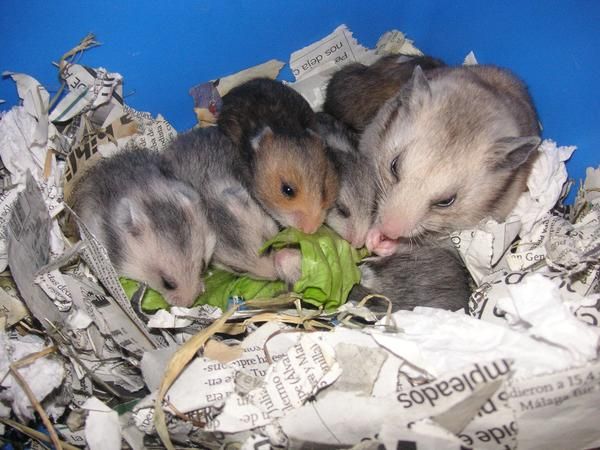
(329, 270)
(152, 300)
(221, 285)
(329, 265)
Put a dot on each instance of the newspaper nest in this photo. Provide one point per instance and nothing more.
(520, 370)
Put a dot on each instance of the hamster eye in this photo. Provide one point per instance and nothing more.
(394, 167)
(446, 202)
(342, 210)
(287, 190)
(168, 283)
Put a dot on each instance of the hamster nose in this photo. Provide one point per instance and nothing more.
(311, 224)
(310, 229)
(380, 244)
(178, 300)
(358, 242)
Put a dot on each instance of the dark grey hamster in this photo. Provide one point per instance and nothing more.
(152, 225)
(427, 275)
(209, 162)
(356, 92)
(352, 212)
(289, 172)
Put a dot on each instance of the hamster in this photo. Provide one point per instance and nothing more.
(428, 275)
(209, 163)
(356, 92)
(289, 172)
(455, 146)
(351, 215)
(152, 225)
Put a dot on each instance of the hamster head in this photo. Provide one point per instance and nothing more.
(294, 179)
(351, 214)
(165, 241)
(448, 153)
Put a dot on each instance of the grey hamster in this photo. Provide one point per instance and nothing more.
(454, 146)
(152, 225)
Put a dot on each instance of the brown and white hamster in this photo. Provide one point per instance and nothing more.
(289, 172)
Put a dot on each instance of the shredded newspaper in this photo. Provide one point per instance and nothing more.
(519, 369)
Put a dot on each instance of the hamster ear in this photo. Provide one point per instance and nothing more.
(514, 151)
(130, 217)
(316, 136)
(210, 242)
(187, 194)
(264, 137)
(313, 133)
(418, 85)
(236, 194)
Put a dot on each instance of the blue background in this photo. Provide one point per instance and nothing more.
(164, 48)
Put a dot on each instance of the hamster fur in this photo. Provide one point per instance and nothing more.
(428, 275)
(455, 146)
(208, 161)
(152, 226)
(351, 215)
(290, 174)
(356, 92)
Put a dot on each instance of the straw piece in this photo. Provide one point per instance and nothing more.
(35, 434)
(175, 366)
(14, 368)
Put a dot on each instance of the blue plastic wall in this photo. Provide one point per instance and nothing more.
(164, 48)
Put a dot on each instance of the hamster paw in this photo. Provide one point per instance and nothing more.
(380, 244)
(288, 265)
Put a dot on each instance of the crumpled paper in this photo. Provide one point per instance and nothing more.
(42, 376)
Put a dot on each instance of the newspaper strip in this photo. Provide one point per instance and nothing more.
(556, 243)
(434, 341)
(106, 125)
(7, 201)
(334, 50)
(483, 249)
(12, 310)
(313, 65)
(130, 128)
(28, 251)
(324, 422)
(35, 103)
(88, 89)
(494, 426)
(568, 397)
(154, 133)
(102, 427)
(95, 255)
(395, 42)
(306, 368)
(218, 380)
